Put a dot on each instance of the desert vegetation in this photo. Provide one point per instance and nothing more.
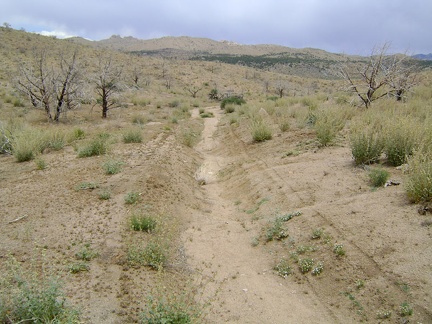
(104, 217)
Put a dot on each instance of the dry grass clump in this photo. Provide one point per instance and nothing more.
(327, 125)
(367, 144)
(260, 130)
(419, 179)
(401, 138)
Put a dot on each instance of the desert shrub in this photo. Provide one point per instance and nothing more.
(27, 144)
(139, 119)
(112, 166)
(206, 114)
(260, 130)
(378, 177)
(232, 100)
(318, 269)
(28, 297)
(418, 184)
(229, 109)
(284, 124)
(78, 133)
(327, 125)
(142, 222)
(132, 136)
(400, 141)
(104, 195)
(5, 140)
(132, 197)
(174, 104)
(78, 267)
(55, 140)
(86, 253)
(40, 164)
(283, 268)
(306, 265)
(406, 309)
(188, 137)
(339, 250)
(175, 309)
(275, 230)
(98, 146)
(86, 186)
(367, 145)
(153, 255)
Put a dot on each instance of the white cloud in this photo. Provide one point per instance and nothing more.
(55, 33)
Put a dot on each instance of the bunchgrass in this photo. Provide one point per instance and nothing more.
(401, 137)
(132, 136)
(260, 130)
(98, 146)
(367, 145)
(418, 184)
(188, 137)
(327, 125)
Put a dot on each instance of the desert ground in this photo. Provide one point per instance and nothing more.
(279, 231)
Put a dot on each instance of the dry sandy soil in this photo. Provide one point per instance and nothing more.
(222, 196)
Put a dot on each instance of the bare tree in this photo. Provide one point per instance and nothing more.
(107, 83)
(401, 74)
(381, 76)
(49, 85)
(281, 87)
(193, 90)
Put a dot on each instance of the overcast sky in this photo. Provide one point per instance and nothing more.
(340, 26)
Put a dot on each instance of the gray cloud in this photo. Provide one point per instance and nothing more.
(353, 26)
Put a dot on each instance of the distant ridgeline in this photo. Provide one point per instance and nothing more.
(302, 64)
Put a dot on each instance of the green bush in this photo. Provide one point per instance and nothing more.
(378, 177)
(232, 100)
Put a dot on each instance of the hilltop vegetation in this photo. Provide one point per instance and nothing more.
(222, 186)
